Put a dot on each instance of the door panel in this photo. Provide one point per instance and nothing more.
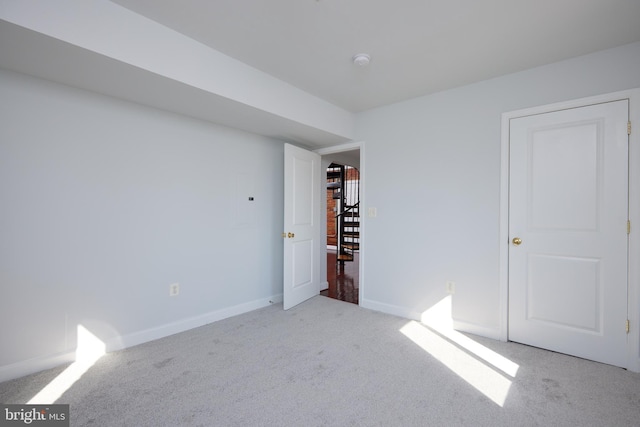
(568, 203)
(553, 280)
(301, 225)
(303, 191)
(303, 261)
(565, 160)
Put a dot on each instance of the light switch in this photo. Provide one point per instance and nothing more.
(373, 212)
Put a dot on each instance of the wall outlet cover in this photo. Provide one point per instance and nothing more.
(174, 289)
(450, 287)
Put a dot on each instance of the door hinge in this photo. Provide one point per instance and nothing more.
(628, 326)
(628, 227)
(629, 128)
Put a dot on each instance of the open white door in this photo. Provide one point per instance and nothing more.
(301, 225)
(568, 210)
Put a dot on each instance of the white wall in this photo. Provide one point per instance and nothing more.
(438, 211)
(203, 82)
(104, 204)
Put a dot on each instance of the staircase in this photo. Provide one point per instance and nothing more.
(349, 230)
(344, 183)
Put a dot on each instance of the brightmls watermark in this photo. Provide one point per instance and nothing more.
(34, 415)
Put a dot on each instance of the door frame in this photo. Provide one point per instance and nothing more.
(633, 253)
(363, 222)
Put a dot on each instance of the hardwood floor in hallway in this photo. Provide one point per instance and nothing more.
(343, 279)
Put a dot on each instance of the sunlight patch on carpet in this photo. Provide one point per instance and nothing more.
(90, 349)
(439, 319)
(481, 367)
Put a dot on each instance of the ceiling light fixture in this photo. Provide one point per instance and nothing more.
(361, 59)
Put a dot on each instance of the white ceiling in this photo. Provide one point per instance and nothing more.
(417, 46)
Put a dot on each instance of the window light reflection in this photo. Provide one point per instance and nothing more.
(468, 359)
(89, 350)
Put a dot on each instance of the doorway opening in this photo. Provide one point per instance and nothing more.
(343, 232)
(343, 280)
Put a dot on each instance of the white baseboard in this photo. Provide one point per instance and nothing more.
(37, 364)
(391, 309)
(480, 330)
(147, 335)
(324, 286)
(26, 367)
(408, 313)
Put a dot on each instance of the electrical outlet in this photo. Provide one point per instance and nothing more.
(451, 287)
(174, 289)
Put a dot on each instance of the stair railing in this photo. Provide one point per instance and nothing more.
(348, 241)
(344, 184)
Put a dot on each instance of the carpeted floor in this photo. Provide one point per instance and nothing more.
(331, 363)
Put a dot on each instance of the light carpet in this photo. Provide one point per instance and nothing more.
(330, 363)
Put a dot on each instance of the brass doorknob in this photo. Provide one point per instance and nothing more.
(516, 241)
(291, 235)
